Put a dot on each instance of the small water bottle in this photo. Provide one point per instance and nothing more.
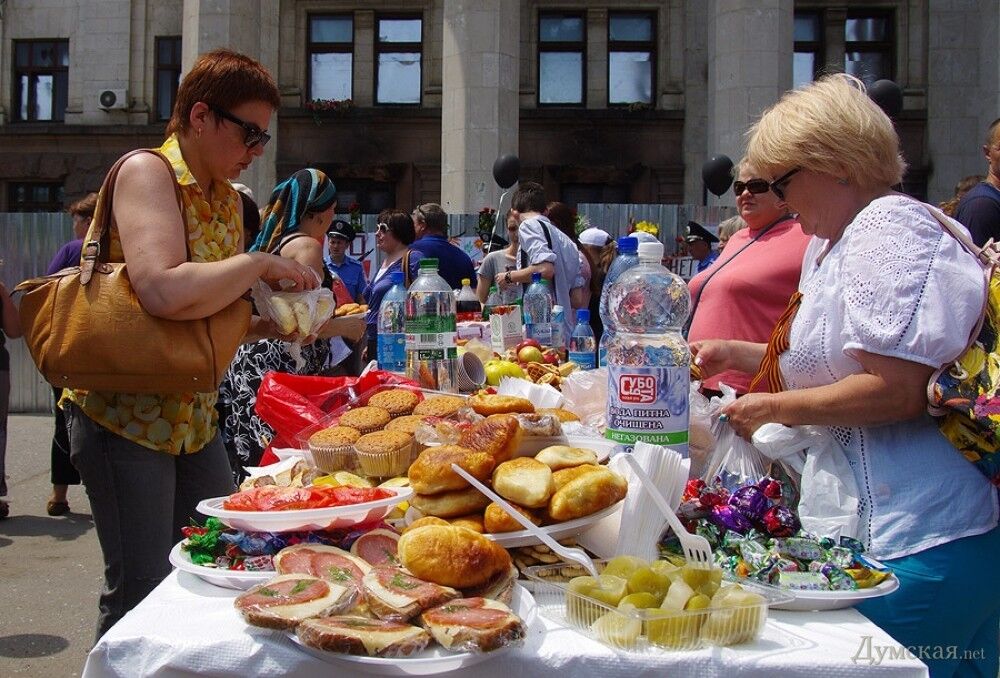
(582, 343)
(391, 327)
(558, 331)
(538, 311)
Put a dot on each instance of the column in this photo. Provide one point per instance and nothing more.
(241, 25)
(749, 67)
(479, 121)
(101, 52)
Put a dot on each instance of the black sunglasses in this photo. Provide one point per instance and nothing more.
(779, 185)
(755, 186)
(253, 135)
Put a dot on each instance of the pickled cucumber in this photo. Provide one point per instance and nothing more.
(674, 630)
(606, 588)
(640, 601)
(624, 566)
(648, 581)
(617, 629)
(678, 596)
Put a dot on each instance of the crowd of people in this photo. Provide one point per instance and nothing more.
(829, 300)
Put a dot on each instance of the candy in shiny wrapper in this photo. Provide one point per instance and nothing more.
(839, 580)
(799, 548)
(803, 581)
(751, 502)
(781, 521)
(852, 544)
(728, 518)
(223, 562)
(753, 553)
(841, 556)
(258, 564)
(770, 487)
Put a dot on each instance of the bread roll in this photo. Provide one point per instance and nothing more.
(586, 494)
(426, 520)
(495, 519)
(558, 457)
(558, 412)
(500, 437)
(452, 556)
(565, 475)
(524, 481)
(431, 473)
(473, 521)
(450, 504)
(487, 404)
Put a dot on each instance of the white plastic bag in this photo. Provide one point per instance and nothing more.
(828, 502)
(734, 461)
(295, 313)
(586, 394)
(701, 440)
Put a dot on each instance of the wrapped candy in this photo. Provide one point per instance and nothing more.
(258, 563)
(728, 518)
(799, 548)
(837, 578)
(750, 502)
(840, 556)
(804, 581)
(771, 488)
(753, 553)
(780, 521)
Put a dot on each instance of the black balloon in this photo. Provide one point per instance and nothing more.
(888, 95)
(717, 174)
(506, 170)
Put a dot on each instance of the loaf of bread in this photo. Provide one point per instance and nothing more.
(452, 556)
(524, 481)
(431, 473)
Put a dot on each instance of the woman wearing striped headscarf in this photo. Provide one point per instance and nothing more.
(293, 225)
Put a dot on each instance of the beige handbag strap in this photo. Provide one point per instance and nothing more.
(98, 248)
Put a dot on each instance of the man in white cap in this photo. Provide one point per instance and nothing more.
(594, 237)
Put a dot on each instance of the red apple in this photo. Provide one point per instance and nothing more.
(529, 354)
(529, 342)
(550, 356)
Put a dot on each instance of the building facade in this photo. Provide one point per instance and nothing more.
(407, 101)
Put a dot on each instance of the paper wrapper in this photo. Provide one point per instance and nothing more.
(542, 395)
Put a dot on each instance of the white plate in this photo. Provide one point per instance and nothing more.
(228, 579)
(332, 518)
(570, 528)
(532, 445)
(432, 661)
(835, 600)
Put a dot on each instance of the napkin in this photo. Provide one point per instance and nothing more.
(542, 395)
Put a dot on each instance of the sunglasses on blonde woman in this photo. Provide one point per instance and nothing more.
(779, 185)
(755, 186)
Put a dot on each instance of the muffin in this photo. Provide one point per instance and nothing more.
(333, 448)
(384, 453)
(397, 402)
(406, 424)
(441, 406)
(365, 419)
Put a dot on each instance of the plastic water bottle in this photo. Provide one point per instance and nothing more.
(431, 351)
(626, 259)
(649, 362)
(558, 328)
(582, 343)
(494, 298)
(538, 311)
(468, 306)
(512, 295)
(392, 327)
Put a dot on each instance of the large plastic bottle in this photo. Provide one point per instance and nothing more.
(392, 327)
(582, 345)
(626, 258)
(649, 363)
(468, 306)
(495, 298)
(538, 311)
(431, 351)
(558, 331)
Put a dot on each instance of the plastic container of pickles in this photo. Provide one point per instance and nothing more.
(703, 610)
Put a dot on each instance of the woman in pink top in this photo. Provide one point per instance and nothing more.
(744, 292)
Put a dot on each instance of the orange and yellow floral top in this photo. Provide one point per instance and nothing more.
(177, 423)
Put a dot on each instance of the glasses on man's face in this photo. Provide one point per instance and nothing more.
(382, 228)
(779, 185)
(755, 186)
(252, 135)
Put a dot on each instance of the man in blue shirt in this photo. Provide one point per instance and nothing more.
(430, 223)
(699, 240)
(338, 263)
(979, 209)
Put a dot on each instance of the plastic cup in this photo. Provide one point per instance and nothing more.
(471, 373)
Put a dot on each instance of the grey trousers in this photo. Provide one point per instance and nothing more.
(140, 499)
(4, 401)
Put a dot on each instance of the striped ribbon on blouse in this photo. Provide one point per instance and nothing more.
(770, 369)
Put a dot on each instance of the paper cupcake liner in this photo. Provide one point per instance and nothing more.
(331, 458)
(385, 464)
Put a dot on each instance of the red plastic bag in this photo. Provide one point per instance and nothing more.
(290, 402)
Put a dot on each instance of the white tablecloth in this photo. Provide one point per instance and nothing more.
(187, 626)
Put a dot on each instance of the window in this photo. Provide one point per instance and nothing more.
(807, 59)
(27, 196)
(398, 49)
(168, 74)
(868, 45)
(631, 55)
(373, 196)
(331, 56)
(561, 63)
(41, 79)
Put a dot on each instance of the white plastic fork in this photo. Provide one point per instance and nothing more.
(697, 550)
(568, 553)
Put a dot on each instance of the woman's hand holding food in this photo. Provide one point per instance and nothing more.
(276, 270)
(751, 411)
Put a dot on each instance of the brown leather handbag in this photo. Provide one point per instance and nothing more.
(86, 328)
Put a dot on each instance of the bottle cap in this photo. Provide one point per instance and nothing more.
(430, 262)
(556, 308)
(466, 282)
(397, 277)
(535, 277)
(583, 316)
(627, 245)
(651, 251)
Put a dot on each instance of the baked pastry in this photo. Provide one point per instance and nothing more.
(397, 595)
(473, 521)
(426, 520)
(365, 419)
(524, 481)
(495, 519)
(545, 425)
(333, 448)
(363, 636)
(406, 424)
(440, 406)
(589, 493)
(559, 413)
(452, 556)
(563, 476)
(283, 602)
(450, 504)
(487, 404)
(500, 437)
(335, 435)
(431, 473)
(397, 402)
(384, 453)
(558, 457)
(480, 622)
